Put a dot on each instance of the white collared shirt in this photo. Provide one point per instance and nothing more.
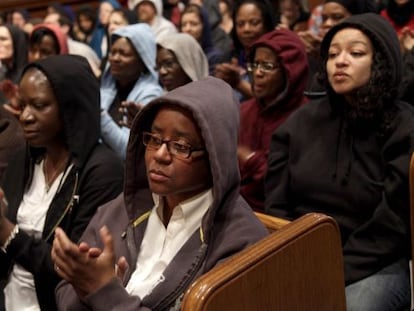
(160, 244)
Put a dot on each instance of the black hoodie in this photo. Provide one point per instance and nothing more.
(95, 177)
(316, 165)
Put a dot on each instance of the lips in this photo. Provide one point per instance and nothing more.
(340, 76)
(29, 133)
(158, 176)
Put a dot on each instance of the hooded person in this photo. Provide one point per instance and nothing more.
(180, 135)
(98, 40)
(189, 56)
(347, 155)
(12, 67)
(278, 91)
(40, 45)
(127, 80)
(333, 12)
(150, 12)
(192, 18)
(58, 178)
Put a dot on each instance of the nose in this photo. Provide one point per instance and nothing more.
(341, 59)
(162, 154)
(114, 56)
(246, 27)
(26, 115)
(185, 28)
(258, 72)
(162, 71)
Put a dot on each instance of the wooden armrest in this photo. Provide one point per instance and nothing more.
(271, 223)
(298, 267)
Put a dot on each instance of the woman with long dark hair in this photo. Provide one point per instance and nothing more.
(347, 155)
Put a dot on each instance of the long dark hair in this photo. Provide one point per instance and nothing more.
(373, 104)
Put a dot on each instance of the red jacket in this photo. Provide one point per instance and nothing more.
(258, 122)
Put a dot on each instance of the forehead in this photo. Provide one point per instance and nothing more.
(248, 9)
(334, 8)
(350, 36)
(264, 51)
(34, 83)
(163, 53)
(124, 43)
(117, 16)
(177, 121)
(191, 16)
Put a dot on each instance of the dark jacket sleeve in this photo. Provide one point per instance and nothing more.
(277, 177)
(385, 238)
(101, 180)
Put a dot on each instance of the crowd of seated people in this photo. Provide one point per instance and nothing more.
(148, 132)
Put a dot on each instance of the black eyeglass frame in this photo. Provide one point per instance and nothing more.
(146, 136)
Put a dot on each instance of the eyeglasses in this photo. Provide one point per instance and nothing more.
(176, 148)
(167, 65)
(264, 67)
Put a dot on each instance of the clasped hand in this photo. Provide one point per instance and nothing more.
(86, 268)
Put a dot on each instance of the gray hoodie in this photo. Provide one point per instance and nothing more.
(227, 227)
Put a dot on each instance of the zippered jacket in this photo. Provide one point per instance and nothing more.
(95, 177)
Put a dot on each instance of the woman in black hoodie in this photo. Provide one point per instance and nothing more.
(58, 179)
(347, 155)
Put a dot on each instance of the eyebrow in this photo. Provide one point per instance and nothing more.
(176, 133)
(352, 43)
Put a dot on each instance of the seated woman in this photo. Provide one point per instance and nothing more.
(251, 19)
(180, 60)
(278, 69)
(180, 215)
(59, 179)
(293, 15)
(332, 12)
(129, 77)
(195, 22)
(347, 155)
(46, 40)
(13, 58)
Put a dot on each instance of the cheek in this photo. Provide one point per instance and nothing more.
(258, 30)
(6, 50)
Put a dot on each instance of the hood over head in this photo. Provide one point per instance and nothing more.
(57, 32)
(132, 4)
(114, 3)
(188, 52)
(20, 52)
(216, 112)
(143, 40)
(77, 92)
(380, 32)
(357, 6)
(291, 54)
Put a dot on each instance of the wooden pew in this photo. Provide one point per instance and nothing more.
(297, 267)
(411, 183)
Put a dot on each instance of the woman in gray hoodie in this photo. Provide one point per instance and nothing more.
(180, 214)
